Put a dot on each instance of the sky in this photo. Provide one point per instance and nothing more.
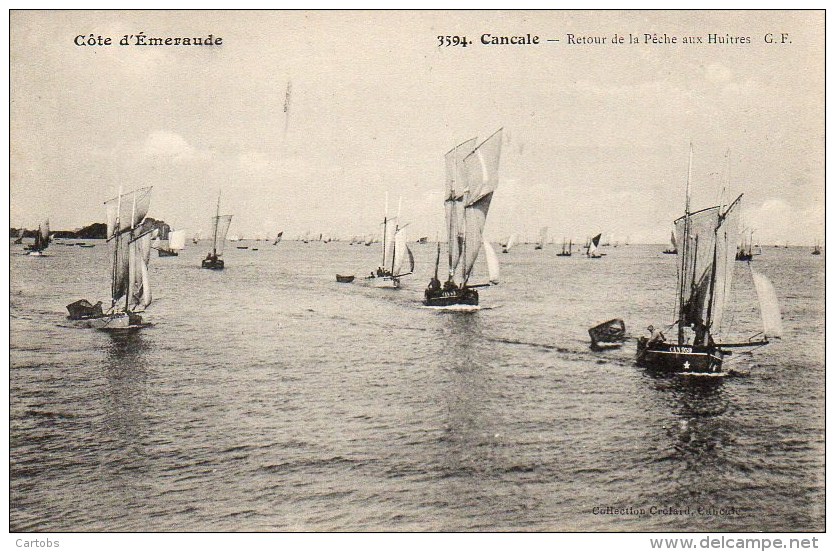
(596, 137)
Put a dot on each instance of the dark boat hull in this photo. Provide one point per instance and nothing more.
(608, 335)
(344, 279)
(213, 264)
(450, 297)
(167, 253)
(744, 257)
(679, 359)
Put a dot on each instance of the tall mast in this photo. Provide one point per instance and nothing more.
(396, 229)
(116, 248)
(131, 260)
(217, 222)
(437, 256)
(685, 248)
(385, 224)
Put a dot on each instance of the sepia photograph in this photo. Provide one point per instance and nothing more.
(384, 271)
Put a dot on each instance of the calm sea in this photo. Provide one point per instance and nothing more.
(268, 397)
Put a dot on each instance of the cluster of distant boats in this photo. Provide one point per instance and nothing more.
(706, 242)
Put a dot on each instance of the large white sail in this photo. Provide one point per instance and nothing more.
(220, 226)
(511, 241)
(456, 187)
(130, 209)
(492, 262)
(404, 261)
(727, 236)
(713, 235)
(177, 240)
(140, 255)
(44, 232)
(769, 307)
(482, 175)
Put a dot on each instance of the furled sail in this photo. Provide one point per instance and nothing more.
(482, 176)
(492, 262)
(769, 307)
(177, 240)
(456, 187)
(673, 240)
(130, 209)
(220, 226)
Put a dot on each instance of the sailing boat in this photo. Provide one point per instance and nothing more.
(511, 241)
(41, 241)
(176, 243)
(566, 251)
(543, 237)
(19, 239)
(673, 249)
(396, 253)
(129, 274)
(706, 241)
(172, 246)
(817, 249)
(278, 237)
(196, 238)
(745, 251)
(472, 175)
(220, 225)
(591, 250)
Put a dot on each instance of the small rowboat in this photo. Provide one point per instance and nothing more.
(344, 279)
(608, 335)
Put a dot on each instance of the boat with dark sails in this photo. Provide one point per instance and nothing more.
(707, 242)
(41, 241)
(472, 175)
(817, 249)
(566, 249)
(129, 279)
(745, 251)
(220, 226)
(592, 252)
(19, 239)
